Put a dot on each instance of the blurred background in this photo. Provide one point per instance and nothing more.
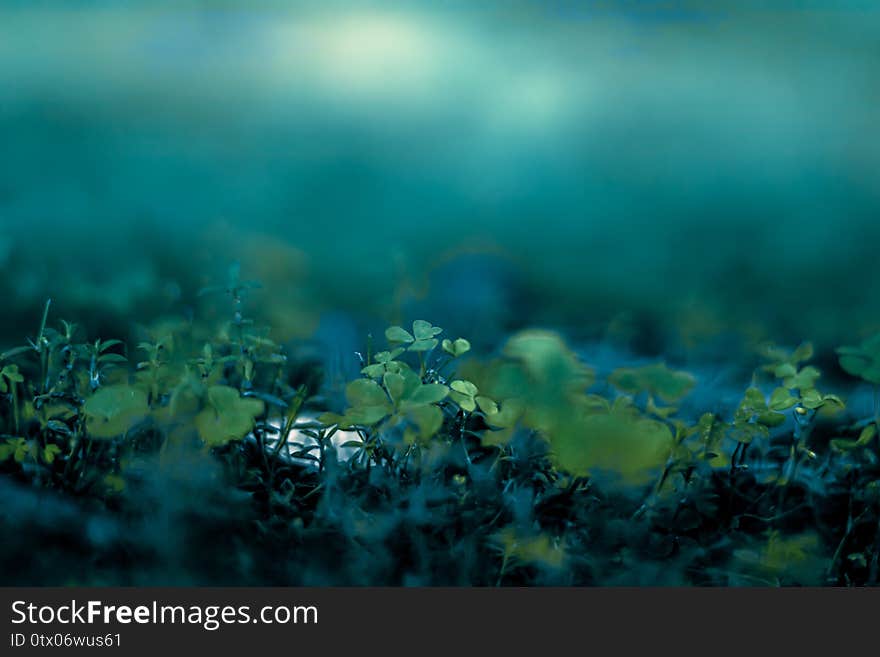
(664, 175)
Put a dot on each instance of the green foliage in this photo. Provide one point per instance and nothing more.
(547, 361)
(520, 463)
(394, 396)
(656, 379)
(15, 448)
(385, 362)
(543, 386)
(227, 416)
(9, 377)
(421, 339)
(521, 548)
(800, 382)
(466, 395)
(784, 559)
(865, 437)
(113, 410)
(864, 360)
(620, 440)
(456, 348)
(755, 415)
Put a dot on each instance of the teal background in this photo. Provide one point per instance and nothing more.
(666, 171)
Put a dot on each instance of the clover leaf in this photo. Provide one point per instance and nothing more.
(620, 440)
(427, 418)
(368, 404)
(421, 339)
(396, 334)
(456, 348)
(424, 334)
(113, 410)
(813, 400)
(754, 416)
(365, 392)
(228, 416)
(803, 379)
(401, 397)
(406, 389)
(385, 362)
(781, 399)
(416, 401)
(466, 395)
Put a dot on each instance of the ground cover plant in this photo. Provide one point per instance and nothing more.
(202, 454)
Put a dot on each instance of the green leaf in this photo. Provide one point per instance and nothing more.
(464, 387)
(865, 437)
(50, 452)
(621, 442)
(329, 419)
(867, 434)
(112, 358)
(113, 410)
(23, 448)
(395, 385)
(427, 418)
(711, 431)
(397, 334)
(11, 374)
(374, 371)
(463, 393)
(771, 419)
(365, 392)
(228, 417)
(388, 356)
(660, 411)
(803, 380)
(753, 402)
(781, 399)
(833, 402)
(13, 447)
(457, 348)
(468, 404)
(423, 345)
(411, 382)
(17, 351)
(812, 399)
(58, 427)
(107, 344)
(430, 393)
(396, 367)
(366, 415)
(785, 370)
(423, 330)
(803, 352)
